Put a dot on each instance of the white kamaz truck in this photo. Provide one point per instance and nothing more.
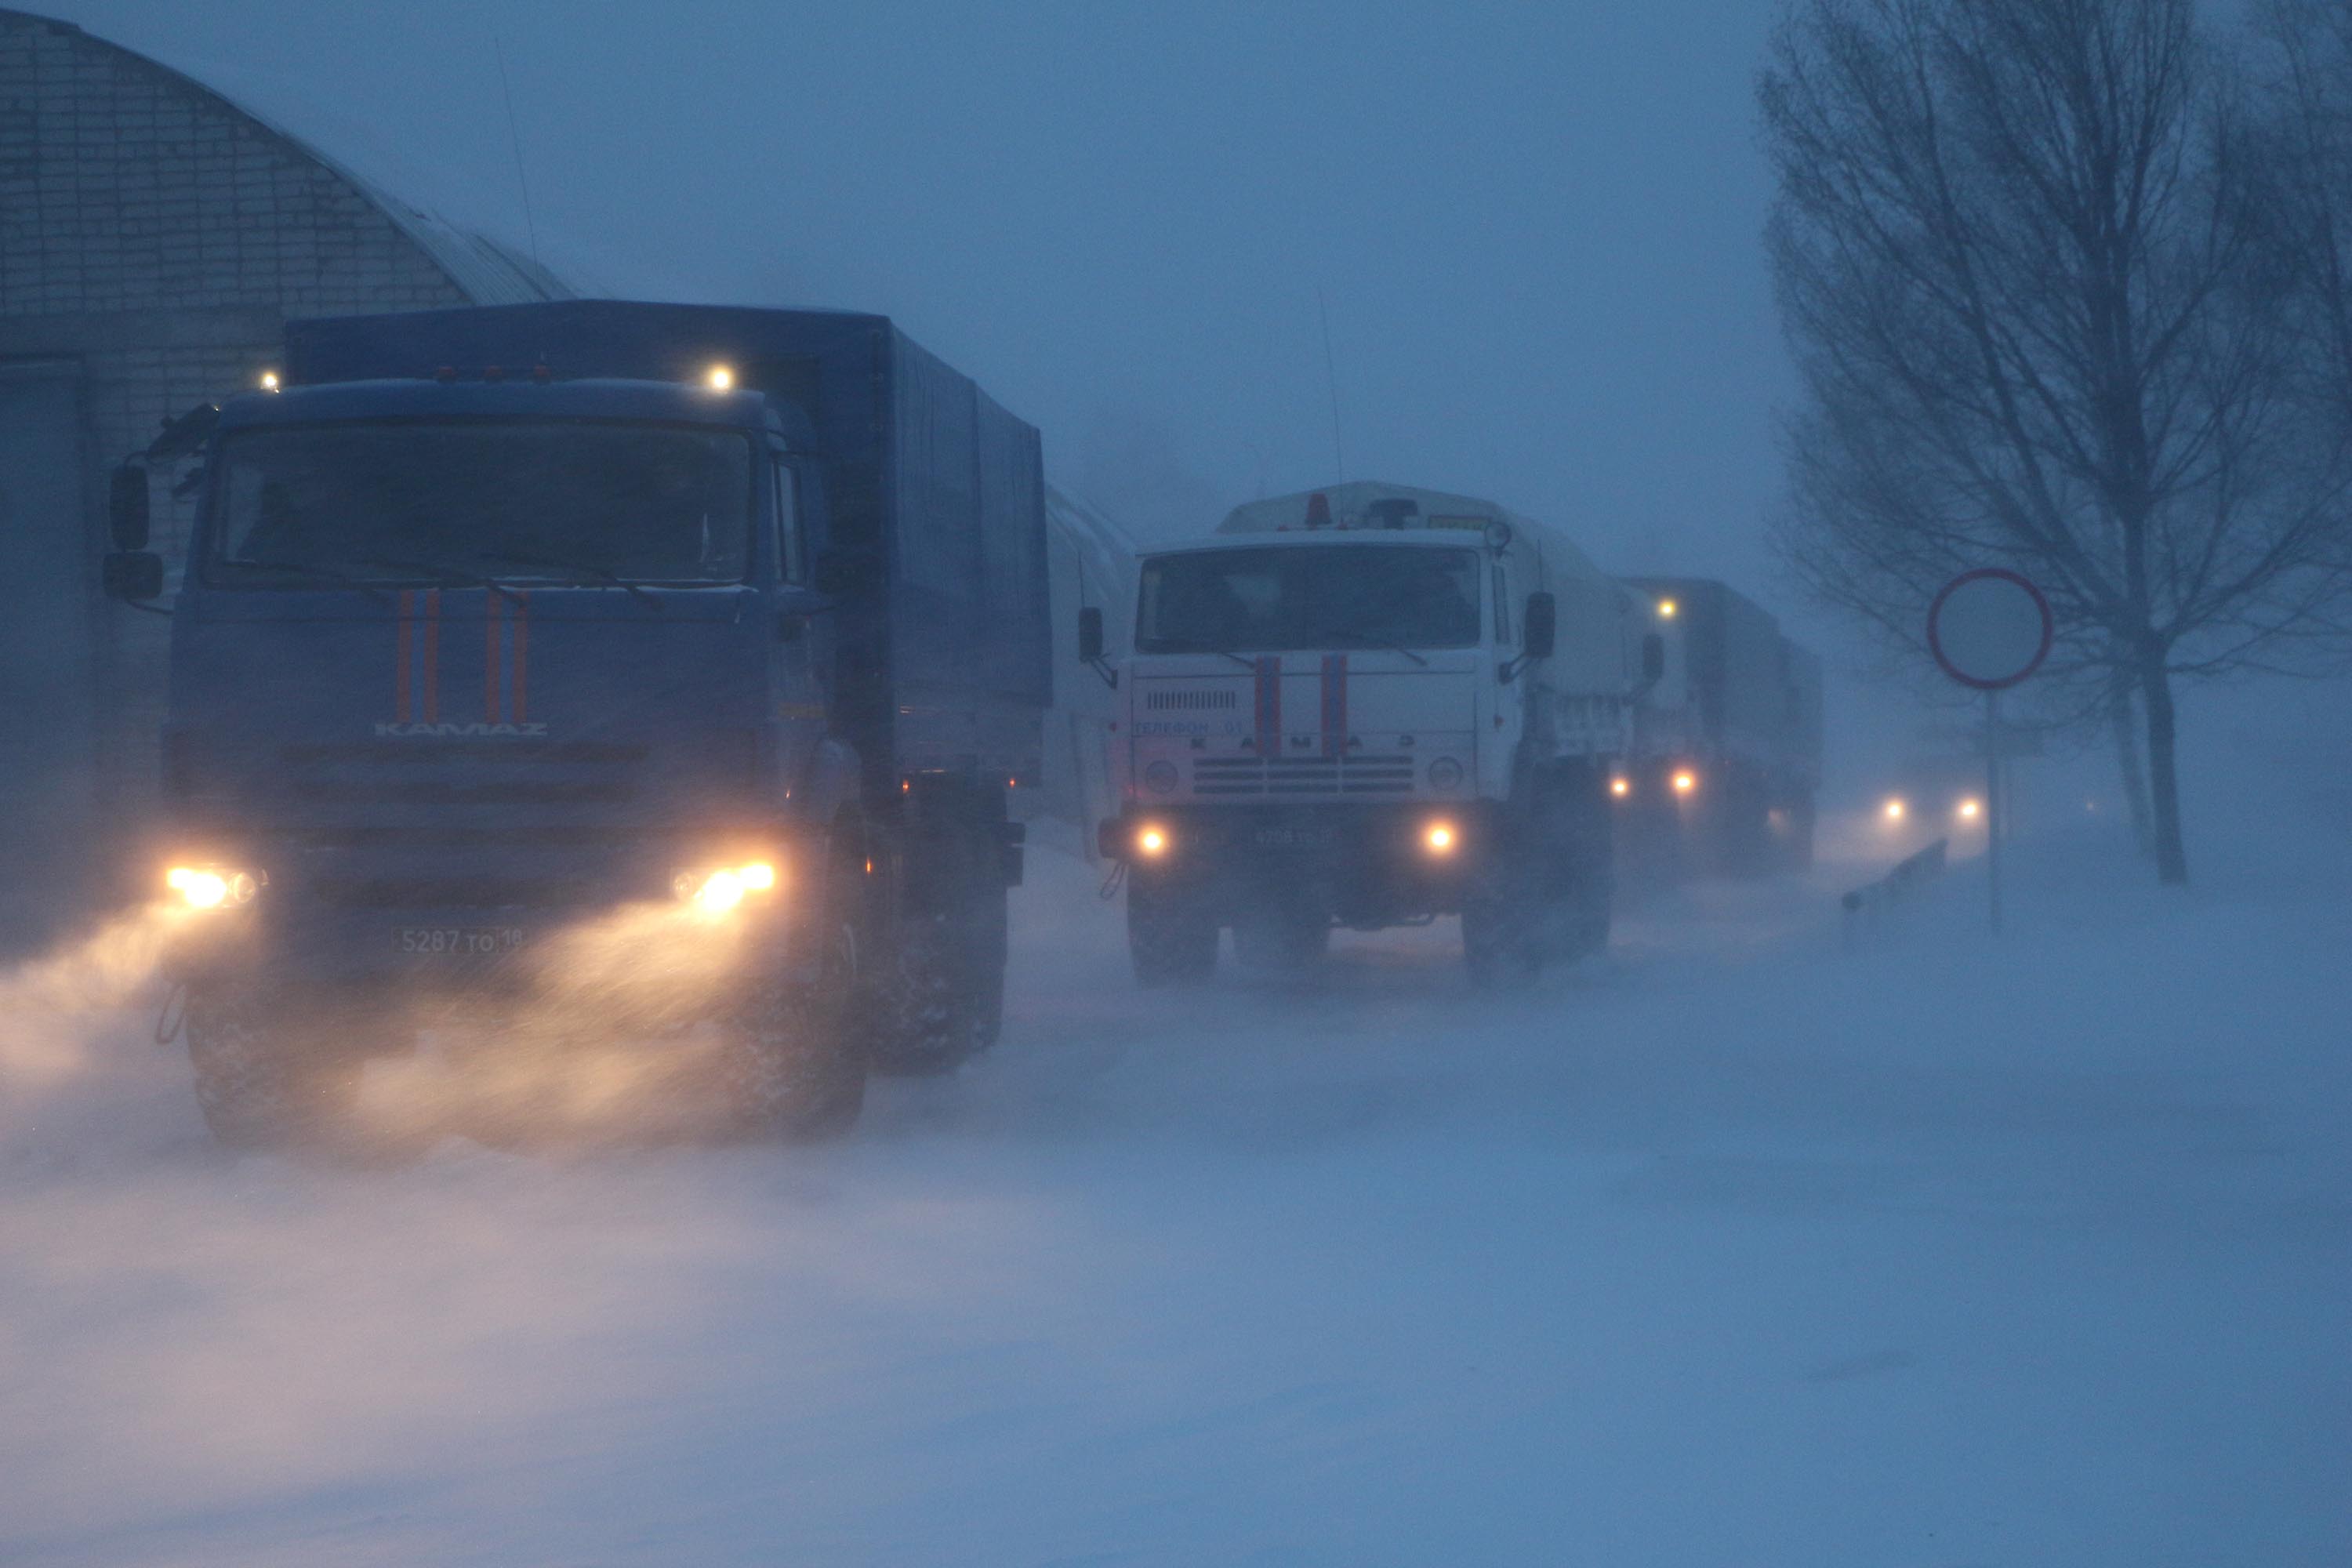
(1369, 706)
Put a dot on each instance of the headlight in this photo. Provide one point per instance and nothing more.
(212, 887)
(715, 892)
(1160, 777)
(1446, 774)
(1151, 841)
(1621, 786)
(1440, 838)
(1685, 781)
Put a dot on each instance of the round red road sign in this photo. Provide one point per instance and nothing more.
(1990, 628)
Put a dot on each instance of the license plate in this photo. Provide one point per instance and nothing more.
(457, 941)
(1294, 837)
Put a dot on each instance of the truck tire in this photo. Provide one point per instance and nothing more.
(1744, 838)
(1590, 866)
(264, 1079)
(940, 999)
(1171, 939)
(794, 1064)
(1499, 943)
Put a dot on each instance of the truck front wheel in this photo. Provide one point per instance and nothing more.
(1171, 938)
(940, 1000)
(264, 1079)
(1500, 943)
(794, 1064)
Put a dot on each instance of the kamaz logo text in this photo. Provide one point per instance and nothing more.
(475, 731)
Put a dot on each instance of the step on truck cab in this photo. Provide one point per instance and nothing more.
(1727, 755)
(1368, 706)
(639, 668)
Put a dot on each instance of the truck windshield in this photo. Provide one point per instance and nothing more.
(516, 500)
(1340, 597)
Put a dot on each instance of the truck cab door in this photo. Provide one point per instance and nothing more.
(800, 645)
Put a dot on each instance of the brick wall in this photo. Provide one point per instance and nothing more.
(159, 239)
(127, 192)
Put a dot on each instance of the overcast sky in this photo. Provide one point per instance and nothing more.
(1536, 225)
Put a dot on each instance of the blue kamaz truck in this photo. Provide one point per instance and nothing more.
(671, 663)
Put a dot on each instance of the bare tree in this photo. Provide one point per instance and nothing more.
(2030, 267)
(2304, 65)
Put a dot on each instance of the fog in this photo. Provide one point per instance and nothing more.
(1535, 229)
(1764, 1237)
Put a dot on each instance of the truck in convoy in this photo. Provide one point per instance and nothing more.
(1368, 706)
(1726, 753)
(495, 621)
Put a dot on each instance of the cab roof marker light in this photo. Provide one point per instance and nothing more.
(720, 378)
(270, 382)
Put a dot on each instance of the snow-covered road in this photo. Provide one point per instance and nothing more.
(1732, 1248)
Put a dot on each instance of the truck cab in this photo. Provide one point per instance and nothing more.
(589, 700)
(1367, 706)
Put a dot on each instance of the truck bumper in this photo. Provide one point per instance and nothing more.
(495, 955)
(1364, 865)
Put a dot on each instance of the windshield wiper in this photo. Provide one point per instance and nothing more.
(447, 575)
(305, 570)
(1355, 635)
(588, 569)
(1172, 645)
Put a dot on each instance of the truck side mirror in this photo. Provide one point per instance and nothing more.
(1654, 659)
(133, 575)
(126, 508)
(1538, 626)
(1090, 636)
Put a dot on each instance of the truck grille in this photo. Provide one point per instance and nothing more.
(1192, 701)
(1354, 773)
(455, 892)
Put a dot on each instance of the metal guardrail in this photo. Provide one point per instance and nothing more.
(1867, 905)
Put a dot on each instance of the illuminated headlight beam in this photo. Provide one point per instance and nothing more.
(208, 888)
(716, 892)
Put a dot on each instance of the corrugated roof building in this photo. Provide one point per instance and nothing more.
(154, 238)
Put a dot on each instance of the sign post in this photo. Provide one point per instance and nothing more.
(1989, 629)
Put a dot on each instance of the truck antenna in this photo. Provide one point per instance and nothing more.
(1332, 375)
(514, 141)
